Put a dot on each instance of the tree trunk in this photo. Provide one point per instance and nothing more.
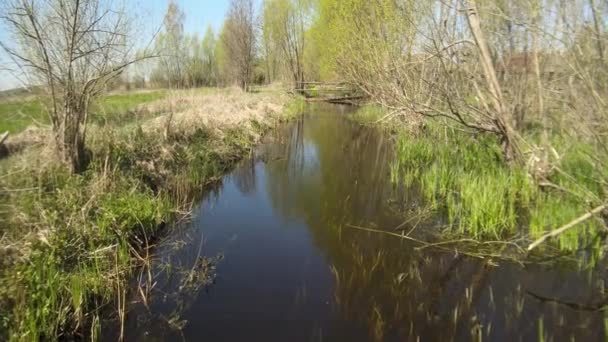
(72, 149)
(503, 120)
(509, 147)
(539, 84)
(71, 136)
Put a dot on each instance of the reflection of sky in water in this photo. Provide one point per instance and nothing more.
(311, 155)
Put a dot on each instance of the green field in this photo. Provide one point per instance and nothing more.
(16, 115)
(121, 107)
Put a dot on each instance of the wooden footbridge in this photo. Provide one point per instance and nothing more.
(334, 92)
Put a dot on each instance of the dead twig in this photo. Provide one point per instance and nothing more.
(403, 236)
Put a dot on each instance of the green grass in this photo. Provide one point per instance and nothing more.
(114, 207)
(368, 114)
(16, 115)
(464, 177)
(293, 108)
(120, 108)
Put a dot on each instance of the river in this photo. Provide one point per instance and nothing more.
(295, 265)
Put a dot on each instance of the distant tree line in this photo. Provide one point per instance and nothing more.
(250, 48)
(187, 60)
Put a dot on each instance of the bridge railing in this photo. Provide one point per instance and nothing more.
(337, 92)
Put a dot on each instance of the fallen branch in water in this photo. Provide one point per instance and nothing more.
(440, 247)
(449, 242)
(600, 306)
(569, 225)
(403, 236)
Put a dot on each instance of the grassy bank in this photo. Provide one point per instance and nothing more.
(69, 242)
(463, 178)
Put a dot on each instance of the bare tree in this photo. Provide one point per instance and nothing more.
(239, 40)
(598, 29)
(74, 48)
(431, 59)
(285, 23)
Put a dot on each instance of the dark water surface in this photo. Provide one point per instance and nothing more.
(294, 269)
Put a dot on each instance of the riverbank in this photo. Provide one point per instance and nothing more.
(463, 179)
(69, 242)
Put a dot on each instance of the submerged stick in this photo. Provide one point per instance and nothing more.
(435, 245)
(403, 236)
(569, 225)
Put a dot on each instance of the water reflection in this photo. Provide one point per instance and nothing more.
(335, 171)
(244, 177)
(295, 271)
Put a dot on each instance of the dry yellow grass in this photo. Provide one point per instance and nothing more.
(32, 135)
(188, 110)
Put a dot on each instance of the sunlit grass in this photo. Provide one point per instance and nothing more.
(119, 108)
(293, 108)
(465, 177)
(16, 115)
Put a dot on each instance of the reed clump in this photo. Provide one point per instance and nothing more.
(464, 178)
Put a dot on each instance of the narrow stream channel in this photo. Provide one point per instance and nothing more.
(293, 268)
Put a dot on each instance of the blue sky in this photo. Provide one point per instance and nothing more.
(199, 14)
